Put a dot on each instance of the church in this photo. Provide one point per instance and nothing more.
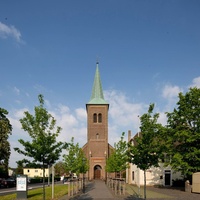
(97, 149)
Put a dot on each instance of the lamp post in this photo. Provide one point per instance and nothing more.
(48, 175)
(105, 167)
(83, 160)
(138, 134)
(53, 174)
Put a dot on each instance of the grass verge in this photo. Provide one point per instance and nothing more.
(37, 194)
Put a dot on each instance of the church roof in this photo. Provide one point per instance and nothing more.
(97, 91)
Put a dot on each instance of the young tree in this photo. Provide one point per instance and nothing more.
(75, 161)
(20, 166)
(5, 131)
(59, 168)
(118, 160)
(184, 133)
(42, 129)
(145, 151)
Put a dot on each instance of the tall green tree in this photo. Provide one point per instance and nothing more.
(184, 133)
(75, 161)
(145, 150)
(42, 129)
(5, 131)
(118, 160)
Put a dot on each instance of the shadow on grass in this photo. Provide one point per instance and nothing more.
(35, 194)
(166, 188)
(132, 192)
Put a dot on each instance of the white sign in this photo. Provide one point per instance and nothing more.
(21, 183)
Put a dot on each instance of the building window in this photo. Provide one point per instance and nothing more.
(28, 170)
(99, 117)
(95, 118)
(97, 136)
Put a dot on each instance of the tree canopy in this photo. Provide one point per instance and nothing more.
(184, 133)
(5, 131)
(145, 150)
(44, 147)
(75, 160)
(43, 131)
(118, 160)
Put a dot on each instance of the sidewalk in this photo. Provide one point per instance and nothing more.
(98, 190)
(161, 193)
(95, 190)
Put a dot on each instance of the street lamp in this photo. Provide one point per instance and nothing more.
(105, 167)
(83, 160)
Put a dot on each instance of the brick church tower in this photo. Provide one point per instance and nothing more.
(97, 148)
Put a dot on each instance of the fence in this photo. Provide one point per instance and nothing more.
(117, 184)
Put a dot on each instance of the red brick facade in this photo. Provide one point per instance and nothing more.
(97, 148)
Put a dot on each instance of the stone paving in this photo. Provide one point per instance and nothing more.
(95, 190)
(98, 190)
(162, 193)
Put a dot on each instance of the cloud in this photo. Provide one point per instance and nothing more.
(122, 110)
(9, 31)
(123, 114)
(17, 91)
(170, 92)
(196, 82)
(81, 114)
(14, 117)
(162, 118)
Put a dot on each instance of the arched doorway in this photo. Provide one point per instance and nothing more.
(97, 172)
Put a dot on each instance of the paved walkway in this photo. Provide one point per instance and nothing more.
(98, 190)
(95, 190)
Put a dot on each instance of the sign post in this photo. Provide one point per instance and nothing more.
(21, 187)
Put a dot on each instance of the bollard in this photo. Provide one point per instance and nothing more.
(124, 187)
(187, 186)
(69, 189)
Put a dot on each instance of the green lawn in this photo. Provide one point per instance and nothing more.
(37, 194)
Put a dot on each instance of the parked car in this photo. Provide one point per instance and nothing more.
(66, 179)
(1, 182)
(9, 182)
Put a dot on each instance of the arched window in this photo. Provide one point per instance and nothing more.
(99, 117)
(97, 136)
(95, 118)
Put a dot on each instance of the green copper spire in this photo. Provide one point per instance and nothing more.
(97, 91)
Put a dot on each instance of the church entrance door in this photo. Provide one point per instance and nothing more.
(97, 172)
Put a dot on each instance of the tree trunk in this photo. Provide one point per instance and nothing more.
(145, 192)
(43, 181)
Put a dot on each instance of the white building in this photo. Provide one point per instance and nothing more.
(154, 176)
(36, 172)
